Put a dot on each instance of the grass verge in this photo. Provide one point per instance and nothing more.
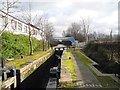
(35, 55)
(105, 81)
(69, 65)
(70, 85)
(82, 57)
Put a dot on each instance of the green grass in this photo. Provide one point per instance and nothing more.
(25, 56)
(70, 85)
(69, 65)
(82, 57)
(105, 81)
(16, 58)
(35, 55)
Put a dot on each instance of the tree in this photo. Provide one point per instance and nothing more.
(27, 17)
(6, 8)
(41, 22)
(49, 29)
(78, 30)
(85, 25)
(30, 40)
(111, 36)
(92, 36)
(73, 31)
(44, 25)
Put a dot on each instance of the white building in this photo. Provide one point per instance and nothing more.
(17, 26)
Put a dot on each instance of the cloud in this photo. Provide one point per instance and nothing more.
(107, 23)
(102, 13)
(52, 20)
(111, 18)
(59, 30)
(63, 3)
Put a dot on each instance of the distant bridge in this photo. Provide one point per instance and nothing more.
(61, 39)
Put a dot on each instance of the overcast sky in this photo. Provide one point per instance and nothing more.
(103, 14)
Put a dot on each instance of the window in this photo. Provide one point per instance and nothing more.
(25, 29)
(37, 33)
(13, 24)
(3, 20)
(19, 26)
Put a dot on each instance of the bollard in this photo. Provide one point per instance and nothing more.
(18, 79)
(22, 56)
(2, 61)
(69, 57)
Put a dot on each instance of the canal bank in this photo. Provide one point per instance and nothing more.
(12, 76)
(85, 77)
(40, 77)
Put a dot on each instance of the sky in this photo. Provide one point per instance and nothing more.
(102, 14)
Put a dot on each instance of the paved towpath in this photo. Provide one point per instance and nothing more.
(97, 71)
(83, 73)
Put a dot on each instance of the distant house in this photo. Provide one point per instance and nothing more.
(17, 26)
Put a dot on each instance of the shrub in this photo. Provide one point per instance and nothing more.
(17, 44)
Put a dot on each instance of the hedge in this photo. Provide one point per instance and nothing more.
(17, 44)
(105, 55)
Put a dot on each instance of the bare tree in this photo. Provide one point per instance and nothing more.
(73, 30)
(6, 9)
(64, 33)
(27, 18)
(78, 30)
(85, 25)
(92, 36)
(49, 29)
(8, 5)
(111, 36)
(44, 25)
(30, 31)
(40, 22)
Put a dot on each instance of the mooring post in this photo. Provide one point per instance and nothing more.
(2, 61)
(18, 80)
